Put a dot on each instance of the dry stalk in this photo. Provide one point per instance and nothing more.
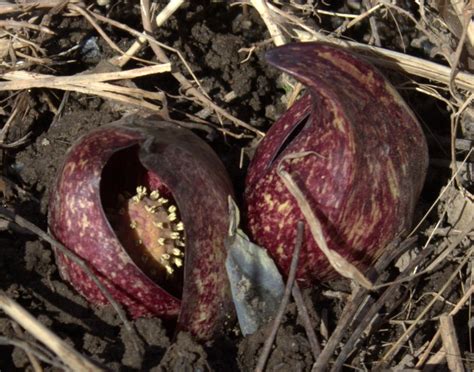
(262, 360)
(370, 312)
(92, 83)
(455, 61)
(168, 11)
(450, 343)
(122, 60)
(23, 7)
(464, 11)
(357, 19)
(6, 126)
(28, 80)
(394, 349)
(29, 353)
(466, 297)
(20, 142)
(35, 350)
(70, 357)
(448, 185)
(359, 303)
(335, 14)
(445, 253)
(303, 313)
(11, 47)
(262, 8)
(19, 24)
(87, 15)
(381, 56)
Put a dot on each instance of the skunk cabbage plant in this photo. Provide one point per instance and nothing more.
(361, 165)
(144, 204)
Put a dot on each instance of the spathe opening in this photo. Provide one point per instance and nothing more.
(297, 128)
(145, 219)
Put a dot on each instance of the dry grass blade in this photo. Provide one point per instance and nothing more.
(261, 7)
(381, 56)
(370, 312)
(434, 340)
(74, 360)
(26, 6)
(167, 11)
(410, 65)
(339, 263)
(17, 24)
(464, 11)
(390, 353)
(358, 303)
(92, 83)
(450, 343)
(27, 80)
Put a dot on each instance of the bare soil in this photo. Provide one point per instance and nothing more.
(211, 37)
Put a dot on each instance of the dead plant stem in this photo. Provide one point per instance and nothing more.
(267, 346)
(303, 313)
(391, 352)
(67, 354)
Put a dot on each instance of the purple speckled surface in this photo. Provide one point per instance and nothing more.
(365, 182)
(200, 186)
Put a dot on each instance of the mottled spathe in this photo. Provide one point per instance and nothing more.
(368, 173)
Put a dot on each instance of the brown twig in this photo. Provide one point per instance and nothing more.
(262, 360)
(372, 311)
(393, 350)
(359, 303)
(303, 313)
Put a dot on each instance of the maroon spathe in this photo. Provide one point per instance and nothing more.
(200, 187)
(366, 174)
